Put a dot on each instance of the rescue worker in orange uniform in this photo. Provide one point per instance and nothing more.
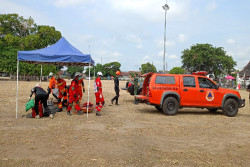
(81, 88)
(98, 94)
(52, 84)
(73, 95)
(61, 85)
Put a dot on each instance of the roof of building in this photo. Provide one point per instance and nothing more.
(245, 70)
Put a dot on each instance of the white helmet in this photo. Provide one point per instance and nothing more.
(50, 74)
(77, 74)
(99, 73)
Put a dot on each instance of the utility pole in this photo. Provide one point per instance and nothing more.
(165, 7)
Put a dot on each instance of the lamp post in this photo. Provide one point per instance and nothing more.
(165, 7)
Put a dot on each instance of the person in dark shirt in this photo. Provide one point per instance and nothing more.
(248, 89)
(40, 95)
(116, 83)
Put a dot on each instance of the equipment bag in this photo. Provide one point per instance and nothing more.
(30, 105)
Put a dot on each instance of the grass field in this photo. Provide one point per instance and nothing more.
(125, 135)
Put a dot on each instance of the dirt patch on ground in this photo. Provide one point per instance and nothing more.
(125, 135)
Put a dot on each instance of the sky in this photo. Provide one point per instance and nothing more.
(132, 31)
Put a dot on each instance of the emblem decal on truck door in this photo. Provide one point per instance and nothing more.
(210, 95)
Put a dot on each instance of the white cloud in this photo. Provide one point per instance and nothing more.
(146, 59)
(182, 38)
(172, 57)
(7, 7)
(152, 9)
(109, 41)
(211, 6)
(67, 3)
(139, 46)
(133, 38)
(160, 43)
(240, 54)
(230, 41)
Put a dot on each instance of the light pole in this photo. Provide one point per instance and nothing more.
(165, 7)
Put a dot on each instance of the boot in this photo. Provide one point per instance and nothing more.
(68, 113)
(60, 110)
(98, 113)
(112, 101)
(116, 102)
(79, 112)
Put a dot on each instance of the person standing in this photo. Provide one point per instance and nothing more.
(52, 84)
(117, 90)
(61, 85)
(40, 95)
(81, 88)
(73, 95)
(98, 94)
(136, 87)
(248, 89)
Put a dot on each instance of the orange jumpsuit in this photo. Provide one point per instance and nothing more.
(73, 95)
(61, 84)
(98, 94)
(52, 83)
(80, 89)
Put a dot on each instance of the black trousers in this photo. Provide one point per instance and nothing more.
(117, 96)
(43, 98)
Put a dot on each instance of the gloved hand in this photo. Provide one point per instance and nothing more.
(83, 90)
(75, 96)
(29, 98)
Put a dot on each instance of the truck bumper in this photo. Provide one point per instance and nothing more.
(241, 103)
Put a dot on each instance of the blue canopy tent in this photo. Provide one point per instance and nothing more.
(62, 53)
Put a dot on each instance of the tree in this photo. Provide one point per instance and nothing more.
(205, 57)
(177, 70)
(146, 68)
(73, 69)
(110, 69)
(17, 33)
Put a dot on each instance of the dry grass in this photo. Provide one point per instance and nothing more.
(125, 135)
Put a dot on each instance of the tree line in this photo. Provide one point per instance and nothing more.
(18, 33)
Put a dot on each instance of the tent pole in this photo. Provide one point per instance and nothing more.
(88, 93)
(17, 87)
(41, 73)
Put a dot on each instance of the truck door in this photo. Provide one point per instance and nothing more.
(189, 92)
(209, 95)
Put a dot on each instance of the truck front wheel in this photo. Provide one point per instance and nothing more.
(230, 107)
(170, 106)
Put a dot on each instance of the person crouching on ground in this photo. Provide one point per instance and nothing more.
(98, 94)
(40, 95)
(116, 83)
(61, 84)
(73, 95)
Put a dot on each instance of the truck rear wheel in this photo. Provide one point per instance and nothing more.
(230, 107)
(170, 106)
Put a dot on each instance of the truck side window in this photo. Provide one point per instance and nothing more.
(189, 82)
(206, 83)
(165, 80)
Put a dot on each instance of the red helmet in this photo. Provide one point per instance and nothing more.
(118, 73)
